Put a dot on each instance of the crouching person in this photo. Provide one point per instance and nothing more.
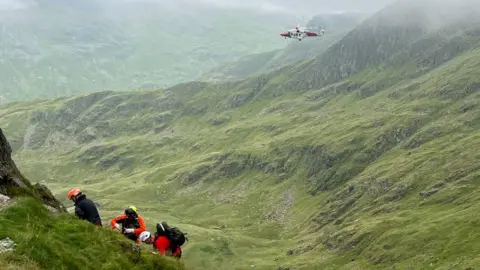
(167, 240)
(130, 224)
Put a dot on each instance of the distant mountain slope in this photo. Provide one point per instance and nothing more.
(336, 26)
(61, 48)
(389, 33)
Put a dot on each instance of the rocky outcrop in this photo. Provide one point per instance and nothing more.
(13, 183)
(48, 199)
(6, 245)
(9, 174)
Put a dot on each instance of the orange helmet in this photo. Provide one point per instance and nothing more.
(73, 192)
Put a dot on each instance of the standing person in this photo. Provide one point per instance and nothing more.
(84, 208)
(130, 224)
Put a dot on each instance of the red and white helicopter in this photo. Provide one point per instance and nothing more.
(299, 33)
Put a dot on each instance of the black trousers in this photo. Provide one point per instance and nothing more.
(131, 236)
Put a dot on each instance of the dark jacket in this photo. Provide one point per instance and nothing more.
(87, 210)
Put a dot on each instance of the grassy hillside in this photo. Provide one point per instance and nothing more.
(336, 26)
(60, 241)
(366, 162)
(37, 233)
(58, 48)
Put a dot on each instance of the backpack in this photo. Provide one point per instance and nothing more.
(176, 237)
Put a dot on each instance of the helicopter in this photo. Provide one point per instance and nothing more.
(300, 33)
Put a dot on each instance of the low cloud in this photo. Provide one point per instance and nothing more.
(298, 7)
(304, 6)
(15, 4)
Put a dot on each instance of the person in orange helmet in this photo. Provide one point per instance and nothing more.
(130, 224)
(84, 208)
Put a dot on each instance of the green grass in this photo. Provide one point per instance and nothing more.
(374, 171)
(348, 184)
(60, 241)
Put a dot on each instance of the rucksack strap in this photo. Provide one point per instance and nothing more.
(155, 237)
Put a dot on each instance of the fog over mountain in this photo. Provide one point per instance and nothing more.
(305, 7)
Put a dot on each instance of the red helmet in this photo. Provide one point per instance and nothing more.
(73, 192)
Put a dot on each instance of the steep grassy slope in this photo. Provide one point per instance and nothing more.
(373, 168)
(47, 241)
(56, 49)
(46, 237)
(336, 25)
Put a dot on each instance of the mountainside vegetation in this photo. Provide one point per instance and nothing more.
(37, 233)
(44, 240)
(59, 48)
(361, 158)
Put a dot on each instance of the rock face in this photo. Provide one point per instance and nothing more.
(6, 245)
(9, 174)
(13, 183)
(47, 197)
(4, 199)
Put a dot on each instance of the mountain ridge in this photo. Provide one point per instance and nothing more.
(336, 26)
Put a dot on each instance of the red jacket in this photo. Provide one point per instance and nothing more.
(162, 243)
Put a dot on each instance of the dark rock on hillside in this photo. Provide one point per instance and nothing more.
(13, 183)
(47, 197)
(9, 174)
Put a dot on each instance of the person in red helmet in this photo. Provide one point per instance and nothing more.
(85, 209)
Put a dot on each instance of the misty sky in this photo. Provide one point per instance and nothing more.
(300, 7)
(306, 6)
(14, 4)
